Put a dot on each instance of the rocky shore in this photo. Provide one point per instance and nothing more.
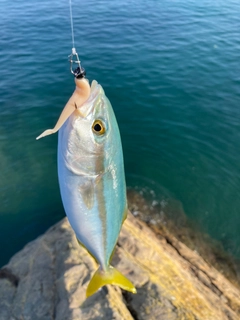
(48, 279)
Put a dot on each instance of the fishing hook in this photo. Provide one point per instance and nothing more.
(73, 58)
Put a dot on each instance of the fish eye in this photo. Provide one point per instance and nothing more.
(98, 127)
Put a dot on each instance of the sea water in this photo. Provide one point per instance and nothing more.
(171, 70)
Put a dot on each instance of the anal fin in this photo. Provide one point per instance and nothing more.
(82, 245)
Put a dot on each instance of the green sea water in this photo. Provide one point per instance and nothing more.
(171, 70)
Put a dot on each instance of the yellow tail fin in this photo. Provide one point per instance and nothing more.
(111, 276)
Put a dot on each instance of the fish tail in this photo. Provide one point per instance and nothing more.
(111, 276)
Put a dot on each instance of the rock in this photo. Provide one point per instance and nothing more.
(48, 279)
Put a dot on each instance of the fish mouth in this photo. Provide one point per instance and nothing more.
(94, 87)
(96, 93)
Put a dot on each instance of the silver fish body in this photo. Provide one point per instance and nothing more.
(91, 175)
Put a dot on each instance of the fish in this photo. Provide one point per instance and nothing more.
(92, 183)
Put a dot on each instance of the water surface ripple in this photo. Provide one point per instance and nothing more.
(171, 70)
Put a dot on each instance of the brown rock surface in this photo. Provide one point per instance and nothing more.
(48, 280)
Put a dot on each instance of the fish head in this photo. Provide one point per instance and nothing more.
(91, 134)
(95, 111)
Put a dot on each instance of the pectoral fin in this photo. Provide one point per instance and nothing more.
(111, 276)
(86, 190)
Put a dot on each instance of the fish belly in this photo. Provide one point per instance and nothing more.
(84, 221)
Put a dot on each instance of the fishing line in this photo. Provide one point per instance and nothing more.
(73, 58)
(71, 20)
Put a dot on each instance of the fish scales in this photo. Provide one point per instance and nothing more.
(92, 182)
(91, 177)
